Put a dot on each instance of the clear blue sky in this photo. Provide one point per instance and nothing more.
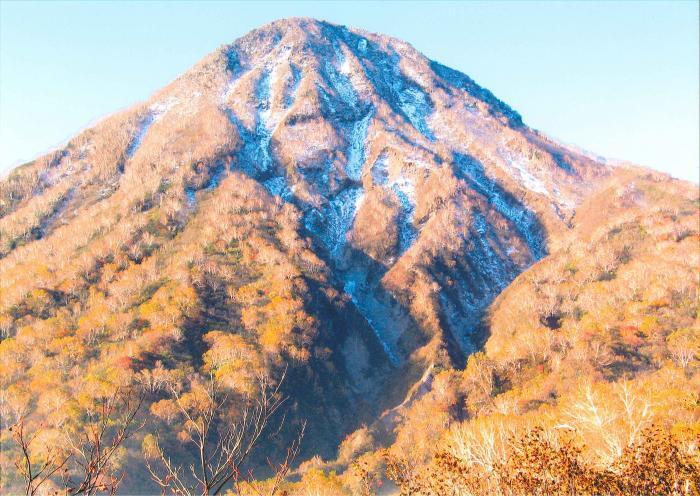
(619, 79)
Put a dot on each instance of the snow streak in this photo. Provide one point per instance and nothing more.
(154, 114)
(334, 220)
(278, 186)
(416, 107)
(380, 172)
(405, 191)
(356, 150)
(359, 293)
(527, 178)
(524, 220)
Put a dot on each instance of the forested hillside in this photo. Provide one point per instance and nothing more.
(588, 380)
(321, 263)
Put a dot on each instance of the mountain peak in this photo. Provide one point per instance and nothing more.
(386, 156)
(329, 209)
(295, 32)
(293, 23)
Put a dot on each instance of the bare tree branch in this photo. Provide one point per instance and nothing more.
(222, 445)
(89, 453)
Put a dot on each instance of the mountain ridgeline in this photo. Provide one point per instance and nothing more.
(329, 211)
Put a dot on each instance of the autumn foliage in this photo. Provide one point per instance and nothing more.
(184, 292)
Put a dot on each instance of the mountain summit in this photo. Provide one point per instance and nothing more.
(310, 198)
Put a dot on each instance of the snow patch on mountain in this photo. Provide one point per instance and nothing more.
(262, 128)
(334, 220)
(356, 150)
(235, 68)
(484, 250)
(143, 127)
(373, 312)
(527, 179)
(523, 219)
(154, 114)
(191, 196)
(415, 105)
(403, 95)
(255, 156)
(59, 208)
(159, 109)
(404, 189)
(341, 60)
(342, 86)
(330, 225)
(379, 170)
(292, 87)
(278, 186)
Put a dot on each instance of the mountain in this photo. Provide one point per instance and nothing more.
(329, 206)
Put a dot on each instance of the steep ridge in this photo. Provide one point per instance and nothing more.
(389, 199)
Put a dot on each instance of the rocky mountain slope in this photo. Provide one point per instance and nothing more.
(310, 198)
